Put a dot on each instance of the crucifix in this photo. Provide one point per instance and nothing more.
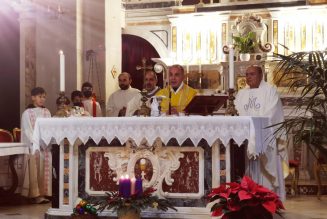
(144, 67)
(144, 110)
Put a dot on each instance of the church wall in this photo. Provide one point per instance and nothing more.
(9, 68)
(55, 33)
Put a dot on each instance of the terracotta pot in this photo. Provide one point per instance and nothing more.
(256, 212)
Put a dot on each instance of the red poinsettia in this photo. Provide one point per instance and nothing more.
(232, 197)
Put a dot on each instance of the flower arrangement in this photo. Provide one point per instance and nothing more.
(244, 200)
(133, 202)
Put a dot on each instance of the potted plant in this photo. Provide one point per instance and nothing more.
(305, 73)
(246, 200)
(245, 44)
(131, 207)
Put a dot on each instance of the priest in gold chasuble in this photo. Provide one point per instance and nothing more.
(178, 94)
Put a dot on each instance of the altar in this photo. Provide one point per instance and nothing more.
(185, 156)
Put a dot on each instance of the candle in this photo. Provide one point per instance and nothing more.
(62, 70)
(200, 68)
(231, 67)
(138, 186)
(121, 185)
(133, 180)
(142, 164)
(187, 68)
(127, 187)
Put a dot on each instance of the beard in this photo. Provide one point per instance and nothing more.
(124, 86)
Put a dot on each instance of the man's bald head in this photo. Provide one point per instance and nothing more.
(253, 76)
(124, 80)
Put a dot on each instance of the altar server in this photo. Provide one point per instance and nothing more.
(37, 179)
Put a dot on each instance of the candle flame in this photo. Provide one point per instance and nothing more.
(61, 52)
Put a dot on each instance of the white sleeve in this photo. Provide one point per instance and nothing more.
(26, 128)
(132, 105)
(111, 106)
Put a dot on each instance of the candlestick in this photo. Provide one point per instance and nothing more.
(62, 70)
(231, 67)
(133, 181)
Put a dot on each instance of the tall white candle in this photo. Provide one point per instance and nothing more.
(133, 180)
(187, 68)
(231, 67)
(200, 68)
(62, 70)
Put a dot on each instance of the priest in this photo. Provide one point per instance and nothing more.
(150, 85)
(261, 99)
(178, 95)
(118, 100)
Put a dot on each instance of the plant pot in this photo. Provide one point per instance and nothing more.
(245, 57)
(128, 213)
(256, 212)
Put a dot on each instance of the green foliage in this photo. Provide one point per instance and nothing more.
(246, 43)
(306, 72)
(113, 201)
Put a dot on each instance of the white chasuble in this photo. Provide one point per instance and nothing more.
(37, 178)
(265, 101)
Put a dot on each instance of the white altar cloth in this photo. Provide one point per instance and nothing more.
(210, 128)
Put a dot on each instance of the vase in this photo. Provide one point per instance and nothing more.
(128, 213)
(245, 57)
(256, 212)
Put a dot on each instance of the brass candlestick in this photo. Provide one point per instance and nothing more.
(144, 110)
(231, 110)
(62, 105)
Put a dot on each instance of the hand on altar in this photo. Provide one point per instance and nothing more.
(122, 112)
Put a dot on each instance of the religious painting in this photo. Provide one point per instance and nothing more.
(186, 177)
(241, 82)
(101, 176)
(210, 77)
(143, 169)
(187, 47)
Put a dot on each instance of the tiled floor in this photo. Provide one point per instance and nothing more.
(297, 208)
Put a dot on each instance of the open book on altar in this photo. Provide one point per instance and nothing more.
(205, 105)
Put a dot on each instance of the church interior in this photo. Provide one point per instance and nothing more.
(183, 153)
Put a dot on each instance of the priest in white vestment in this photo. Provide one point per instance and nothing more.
(150, 85)
(261, 99)
(37, 179)
(118, 100)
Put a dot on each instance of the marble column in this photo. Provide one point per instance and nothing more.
(114, 21)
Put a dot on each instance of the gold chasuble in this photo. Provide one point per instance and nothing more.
(179, 99)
